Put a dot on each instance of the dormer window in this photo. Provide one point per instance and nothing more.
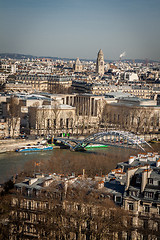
(130, 206)
(133, 193)
(138, 180)
(149, 194)
(146, 208)
(150, 181)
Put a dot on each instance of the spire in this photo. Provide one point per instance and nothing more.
(100, 63)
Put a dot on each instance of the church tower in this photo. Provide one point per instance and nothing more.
(100, 63)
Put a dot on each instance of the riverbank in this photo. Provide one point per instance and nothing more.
(149, 137)
(9, 145)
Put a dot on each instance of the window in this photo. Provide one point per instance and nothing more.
(46, 205)
(154, 205)
(145, 224)
(149, 194)
(134, 193)
(159, 210)
(150, 180)
(29, 205)
(67, 123)
(146, 208)
(67, 100)
(129, 236)
(71, 122)
(61, 122)
(28, 228)
(78, 207)
(152, 121)
(54, 122)
(48, 123)
(138, 180)
(130, 206)
(118, 199)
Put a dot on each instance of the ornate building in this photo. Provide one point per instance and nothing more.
(78, 66)
(51, 119)
(100, 63)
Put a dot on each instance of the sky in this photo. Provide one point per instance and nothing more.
(79, 28)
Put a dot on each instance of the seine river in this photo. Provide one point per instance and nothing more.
(12, 163)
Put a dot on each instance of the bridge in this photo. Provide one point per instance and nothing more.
(110, 138)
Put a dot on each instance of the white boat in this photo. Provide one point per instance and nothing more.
(33, 148)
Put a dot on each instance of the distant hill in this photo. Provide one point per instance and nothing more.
(26, 56)
(16, 56)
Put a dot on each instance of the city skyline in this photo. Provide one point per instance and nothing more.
(73, 29)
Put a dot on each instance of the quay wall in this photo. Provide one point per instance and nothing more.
(151, 136)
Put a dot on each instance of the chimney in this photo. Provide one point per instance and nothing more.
(83, 173)
(130, 173)
(158, 163)
(145, 175)
(131, 159)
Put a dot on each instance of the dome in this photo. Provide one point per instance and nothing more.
(77, 61)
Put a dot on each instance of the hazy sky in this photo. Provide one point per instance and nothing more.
(79, 28)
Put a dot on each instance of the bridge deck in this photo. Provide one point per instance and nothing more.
(73, 142)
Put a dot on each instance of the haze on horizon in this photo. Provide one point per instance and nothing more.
(72, 28)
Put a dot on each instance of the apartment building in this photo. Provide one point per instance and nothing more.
(135, 185)
(48, 207)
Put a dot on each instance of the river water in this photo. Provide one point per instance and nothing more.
(13, 162)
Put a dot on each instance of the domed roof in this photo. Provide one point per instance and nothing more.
(77, 61)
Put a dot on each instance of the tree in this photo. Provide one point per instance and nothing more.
(54, 115)
(13, 112)
(96, 217)
(5, 209)
(34, 122)
(4, 216)
(155, 122)
(130, 118)
(71, 121)
(100, 111)
(141, 119)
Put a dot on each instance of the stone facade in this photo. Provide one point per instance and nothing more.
(57, 82)
(18, 87)
(137, 119)
(51, 119)
(9, 127)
